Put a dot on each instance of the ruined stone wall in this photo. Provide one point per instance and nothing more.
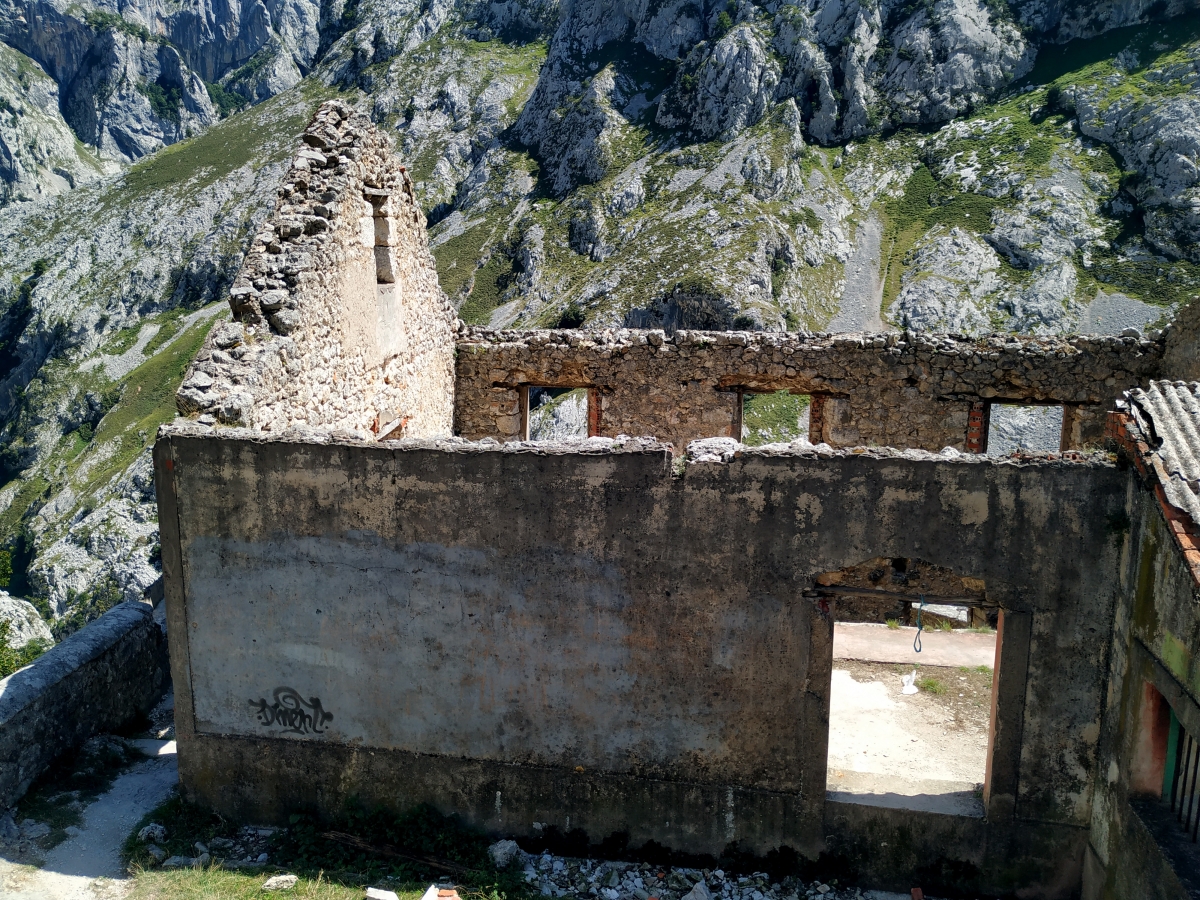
(1182, 360)
(901, 390)
(589, 630)
(339, 321)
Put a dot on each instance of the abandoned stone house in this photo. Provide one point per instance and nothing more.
(378, 587)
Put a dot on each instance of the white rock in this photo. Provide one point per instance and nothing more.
(503, 853)
(280, 883)
(25, 624)
(152, 833)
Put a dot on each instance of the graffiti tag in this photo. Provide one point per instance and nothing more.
(293, 712)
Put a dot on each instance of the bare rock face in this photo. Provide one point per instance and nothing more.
(39, 154)
(575, 138)
(1158, 137)
(24, 623)
(1068, 19)
(726, 88)
(949, 58)
(135, 81)
(947, 285)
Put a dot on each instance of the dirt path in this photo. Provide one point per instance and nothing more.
(87, 865)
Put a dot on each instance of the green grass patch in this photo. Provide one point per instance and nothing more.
(491, 280)
(931, 685)
(28, 499)
(260, 135)
(457, 258)
(217, 884)
(1093, 55)
(928, 202)
(372, 847)
(226, 102)
(147, 400)
(893, 624)
(122, 340)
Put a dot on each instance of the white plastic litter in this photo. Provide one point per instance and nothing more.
(910, 686)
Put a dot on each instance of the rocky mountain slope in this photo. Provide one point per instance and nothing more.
(963, 165)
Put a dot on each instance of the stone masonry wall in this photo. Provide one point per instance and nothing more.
(94, 681)
(903, 390)
(339, 320)
(1182, 358)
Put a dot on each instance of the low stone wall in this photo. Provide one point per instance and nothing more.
(900, 390)
(339, 321)
(94, 681)
(598, 637)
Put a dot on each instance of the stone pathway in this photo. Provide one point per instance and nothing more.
(87, 865)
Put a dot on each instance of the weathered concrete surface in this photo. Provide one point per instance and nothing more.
(897, 848)
(94, 681)
(1156, 642)
(482, 622)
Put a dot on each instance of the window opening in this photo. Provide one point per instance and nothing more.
(1013, 428)
(889, 745)
(1181, 781)
(556, 414)
(384, 237)
(774, 418)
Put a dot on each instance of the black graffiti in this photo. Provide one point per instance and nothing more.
(293, 712)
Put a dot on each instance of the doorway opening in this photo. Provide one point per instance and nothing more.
(911, 693)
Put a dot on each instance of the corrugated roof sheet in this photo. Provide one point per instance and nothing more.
(1168, 414)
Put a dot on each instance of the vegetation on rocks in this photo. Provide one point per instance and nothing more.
(578, 166)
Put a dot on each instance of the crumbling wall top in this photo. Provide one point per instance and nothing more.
(339, 320)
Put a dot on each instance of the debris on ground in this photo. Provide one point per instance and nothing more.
(560, 876)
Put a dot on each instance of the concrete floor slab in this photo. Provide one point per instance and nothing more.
(924, 751)
(879, 643)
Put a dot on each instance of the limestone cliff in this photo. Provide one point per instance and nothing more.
(968, 165)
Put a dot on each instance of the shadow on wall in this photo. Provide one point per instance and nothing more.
(692, 305)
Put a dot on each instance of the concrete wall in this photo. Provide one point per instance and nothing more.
(899, 390)
(1156, 642)
(94, 681)
(593, 639)
(339, 321)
